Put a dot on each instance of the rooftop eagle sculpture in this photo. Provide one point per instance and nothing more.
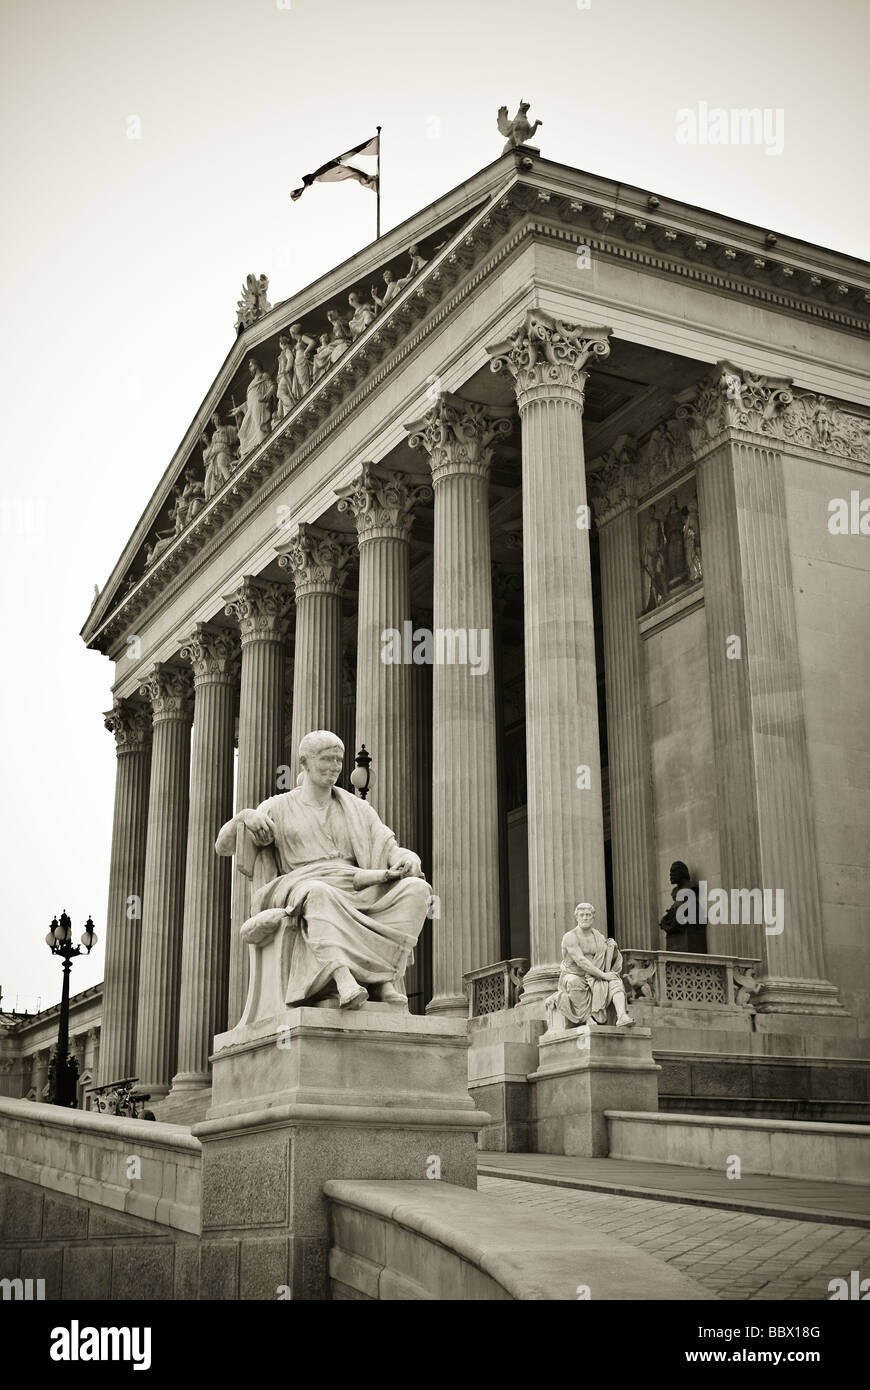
(519, 130)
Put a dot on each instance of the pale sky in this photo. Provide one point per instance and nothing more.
(124, 259)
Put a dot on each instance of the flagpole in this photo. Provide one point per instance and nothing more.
(378, 128)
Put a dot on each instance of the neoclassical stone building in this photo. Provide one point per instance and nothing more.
(551, 533)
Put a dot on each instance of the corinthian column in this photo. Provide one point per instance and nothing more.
(612, 489)
(169, 691)
(546, 359)
(766, 833)
(205, 948)
(383, 505)
(318, 562)
(131, 725)
(458, 436)
(261, 609)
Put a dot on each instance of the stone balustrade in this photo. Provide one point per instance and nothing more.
(494, 987)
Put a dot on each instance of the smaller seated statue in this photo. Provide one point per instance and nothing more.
(590, 989)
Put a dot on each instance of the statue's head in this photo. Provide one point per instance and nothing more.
(296, 329)
(679, 872)
(216, 419)
(321, 755)
(524, 106)
(584, 915)
(353, 300)
(284, 341)
(388, 277)
(253, 366)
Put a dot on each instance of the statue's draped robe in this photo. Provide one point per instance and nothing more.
(315, 856)
(580, 996)
(257, 419)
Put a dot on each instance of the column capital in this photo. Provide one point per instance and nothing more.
(131, 724)
(547, 357)
(317, 559)
(459, 436)
(213, 653)
(382, 501)
(260, 607)
(170, 691)
(612, 480)
(730, 398)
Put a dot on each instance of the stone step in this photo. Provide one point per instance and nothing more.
(841, 1112)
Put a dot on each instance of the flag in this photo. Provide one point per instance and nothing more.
(336, 169)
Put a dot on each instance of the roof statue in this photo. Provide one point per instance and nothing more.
(254, 302)
(519, 130)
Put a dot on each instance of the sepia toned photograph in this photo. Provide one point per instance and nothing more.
(436, 703)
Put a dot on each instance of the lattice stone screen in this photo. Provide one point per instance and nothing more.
(495, 987)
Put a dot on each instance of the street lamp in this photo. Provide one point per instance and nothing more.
(361, 777)
(59, 941)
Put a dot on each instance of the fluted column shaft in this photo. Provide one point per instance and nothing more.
(565, 816)
(131, 725)
(260, 608)
(163, 899)
(317, 561)
(628, 747)
(766, 830)
(205, 949)
(382, 502)
(458, 437)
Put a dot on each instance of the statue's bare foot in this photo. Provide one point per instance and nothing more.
(625, 1022)
(388, 994)
(351, 994)
(354, 1000)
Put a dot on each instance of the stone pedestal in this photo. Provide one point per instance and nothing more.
(503, 1050)
(581, 1073)
(314, 1094)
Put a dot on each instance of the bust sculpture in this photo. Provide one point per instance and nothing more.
(681, 924)
(590, 988)
(336, 901)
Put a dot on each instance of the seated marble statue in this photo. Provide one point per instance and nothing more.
(590, 979)
(327, 871)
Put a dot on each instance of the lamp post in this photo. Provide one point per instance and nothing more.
(361, 777)
(59, 940)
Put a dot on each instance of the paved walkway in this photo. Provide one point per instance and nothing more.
(847, 1204)
(732, 1253)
